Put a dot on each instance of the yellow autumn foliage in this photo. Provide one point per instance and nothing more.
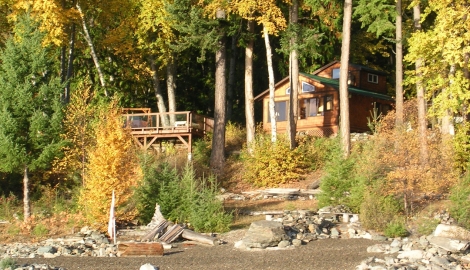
(112, 165)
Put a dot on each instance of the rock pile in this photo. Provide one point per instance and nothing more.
(294, 228)
(446, 248)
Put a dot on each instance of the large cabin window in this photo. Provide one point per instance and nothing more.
(281, 111)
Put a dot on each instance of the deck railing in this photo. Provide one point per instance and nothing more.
(170, 122)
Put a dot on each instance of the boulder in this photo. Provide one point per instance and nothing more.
(452, 231)
(264, 233)
(451, 245)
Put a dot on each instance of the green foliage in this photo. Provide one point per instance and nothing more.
(30, 107)
(8, 206)
(396, 228)
(427, 226)
(377, 15)
(7, 263)
(40, 230)
(459, 196)
(202, 151)
(182, 198)
(339, 179)
(273, 164)
(461, 144)
(318, 151)
(378, 210)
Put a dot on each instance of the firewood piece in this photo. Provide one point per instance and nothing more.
(155, 231)
(171, 234)
(140, 249)
(194, 236)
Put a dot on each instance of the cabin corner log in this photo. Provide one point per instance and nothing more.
(140, 249)
(194, 236)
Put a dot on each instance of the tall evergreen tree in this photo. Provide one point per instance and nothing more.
(30, 107)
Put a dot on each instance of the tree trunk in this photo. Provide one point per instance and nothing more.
(171, 87)
(343, 80)
(26, 201)
(89, 41)
(294, 79)
(158, 92)
(399, 67)
(231, 77)
(249, 99)
(218, 138)
(272, 108)
(70, 63)
(423, 149)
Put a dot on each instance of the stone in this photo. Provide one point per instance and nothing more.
(452, 231)
(263, 234)
(451, 245)
(378, 248)
(148, 266)
(411, 254)
(283, 244)
(46, 249)
(296, 243)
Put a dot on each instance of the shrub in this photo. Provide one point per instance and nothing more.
(40, 230)
(8, 206)
(7, 263)
(396, 228)
(272, 164)
(378, 210)
(182, 198)
(459, 196)
(339, 179)
(427, 226)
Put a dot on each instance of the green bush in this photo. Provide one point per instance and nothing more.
(396, 229)
(40, 230)
(272, 164)
(377, 210)
(182, 198)
(156, 177)
(338, 181)
(7, 263)
(427, 226)
(8, 206)
(459, 196)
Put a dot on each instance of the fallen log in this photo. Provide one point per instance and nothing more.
(127, 249)
(155, 231)
(197, 237)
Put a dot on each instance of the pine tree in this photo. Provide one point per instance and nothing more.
(30, 108)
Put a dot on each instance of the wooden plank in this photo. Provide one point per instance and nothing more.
(128, 249)
(204, 239)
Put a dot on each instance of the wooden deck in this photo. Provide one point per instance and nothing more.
(151, 129)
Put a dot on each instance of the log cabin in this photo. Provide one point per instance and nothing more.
(318, 97)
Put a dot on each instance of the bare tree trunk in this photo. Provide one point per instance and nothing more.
(231, 77)
(158, 92)
(249, 99)
(399, 67)
(218, 138)
(70, 63)
(272, 109)
(26, 201)
(89, 41)
(171, 87)
(343, 80)
(294, 79)
(423, 148)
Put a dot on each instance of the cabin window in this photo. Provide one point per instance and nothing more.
(335, 73)
(309, 107)
(326, 104)
(372, 78)
(281, 111)
(306, 87)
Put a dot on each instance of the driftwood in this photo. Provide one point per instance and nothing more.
(197, 237)
(158, 224)
(140, 249)
(155, 231)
